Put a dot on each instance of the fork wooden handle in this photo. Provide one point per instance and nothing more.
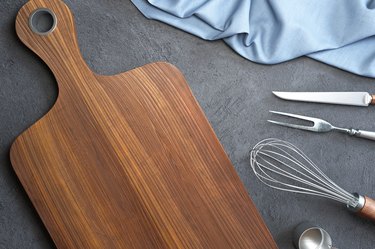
(373, 99)
(368, 210)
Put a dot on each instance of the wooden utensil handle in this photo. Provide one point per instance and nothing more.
(368, 210)
(373, 99)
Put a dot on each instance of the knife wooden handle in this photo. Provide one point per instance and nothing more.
(368, 210)
(373, 99)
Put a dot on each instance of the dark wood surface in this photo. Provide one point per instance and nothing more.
(127, 161)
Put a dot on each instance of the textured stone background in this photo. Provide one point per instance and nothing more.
(234, 93)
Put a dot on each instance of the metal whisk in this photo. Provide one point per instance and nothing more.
(281, 165)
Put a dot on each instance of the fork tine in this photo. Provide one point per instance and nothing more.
(301, 127)
(295, 116)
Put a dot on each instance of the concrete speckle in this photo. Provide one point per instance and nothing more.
(235, 95)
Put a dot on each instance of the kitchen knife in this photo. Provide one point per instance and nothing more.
(338, 98)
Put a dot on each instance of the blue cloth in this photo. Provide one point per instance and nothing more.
(336, 32)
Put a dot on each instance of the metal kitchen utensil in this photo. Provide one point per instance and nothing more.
(321, 125)
(309, 236)
(281, 165)
(338, 98)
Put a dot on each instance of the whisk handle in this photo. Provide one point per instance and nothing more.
(368, 210)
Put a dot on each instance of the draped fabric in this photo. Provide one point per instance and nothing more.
(337, 32)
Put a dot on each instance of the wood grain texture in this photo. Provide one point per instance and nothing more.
(368, 211)
(127, 161)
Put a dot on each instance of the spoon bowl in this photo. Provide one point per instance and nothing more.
(309, 236)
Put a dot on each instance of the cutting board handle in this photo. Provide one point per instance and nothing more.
(47, 28)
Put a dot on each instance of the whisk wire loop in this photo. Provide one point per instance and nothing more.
(293, 188)
(323, 186)
(281, 165)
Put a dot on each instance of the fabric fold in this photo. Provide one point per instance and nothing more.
(338, 33)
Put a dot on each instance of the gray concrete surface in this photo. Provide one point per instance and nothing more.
(234, 93)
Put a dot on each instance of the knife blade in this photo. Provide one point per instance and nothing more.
(338, 98)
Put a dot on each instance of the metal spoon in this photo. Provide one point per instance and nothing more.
(309, 236)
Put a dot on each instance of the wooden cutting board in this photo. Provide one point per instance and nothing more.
(126, 161)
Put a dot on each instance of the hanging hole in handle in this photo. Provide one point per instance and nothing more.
(42, 21)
